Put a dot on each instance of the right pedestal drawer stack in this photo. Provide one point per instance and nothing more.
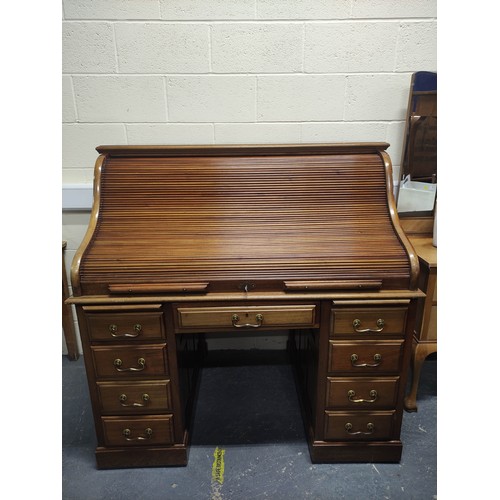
(368, 347)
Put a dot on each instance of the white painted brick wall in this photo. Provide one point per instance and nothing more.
(88, 48)
(175, 133)
(350, 47)
(303, 9)
(120, 99)
(377, 96)
(260, 47)
(211, 98)
(207, 10)
(111, 9)
(162, 48)
(79, 141)
(301, 98)
(244, 71)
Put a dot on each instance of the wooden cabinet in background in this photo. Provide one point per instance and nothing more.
(67, 316)
(425, 338)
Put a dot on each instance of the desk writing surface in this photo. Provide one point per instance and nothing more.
(425, 249)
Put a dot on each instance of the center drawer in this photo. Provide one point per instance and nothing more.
(245, 317)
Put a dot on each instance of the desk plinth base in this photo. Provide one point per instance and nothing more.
(121, 458)
(320, 452)
(327, 452)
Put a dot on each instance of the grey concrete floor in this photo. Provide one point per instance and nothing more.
(258, 463)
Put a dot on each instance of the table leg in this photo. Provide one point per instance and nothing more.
(67, 317)
(419, 353)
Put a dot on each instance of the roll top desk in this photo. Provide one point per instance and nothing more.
(188, 240)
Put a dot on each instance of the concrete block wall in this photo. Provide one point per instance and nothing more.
(236, 71)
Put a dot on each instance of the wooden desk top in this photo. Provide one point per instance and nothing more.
(425, 249)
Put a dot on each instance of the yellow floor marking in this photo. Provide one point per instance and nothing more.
(217, 473)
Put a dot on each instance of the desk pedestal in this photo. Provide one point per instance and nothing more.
(143, 359)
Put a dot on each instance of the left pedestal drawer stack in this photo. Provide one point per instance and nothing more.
(126, 357)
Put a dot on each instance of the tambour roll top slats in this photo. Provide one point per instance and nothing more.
(218, 218)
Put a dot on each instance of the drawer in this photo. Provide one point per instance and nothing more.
(365, 357)
(130, 361)
(134, 397)
(245, 317)
(145, 431)
(361, 392)
(120, 326)
(358, 426)
(369, 321)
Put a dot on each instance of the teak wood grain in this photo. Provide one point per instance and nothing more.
(223, 216)
(188, 240)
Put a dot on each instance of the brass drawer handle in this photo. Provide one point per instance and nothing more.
(357, 323)
(259, 317)
(114, 328)
(118, 363)
(147, 435)
(373, 394)
(370, 428)
(123, 398)
(376, 357)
